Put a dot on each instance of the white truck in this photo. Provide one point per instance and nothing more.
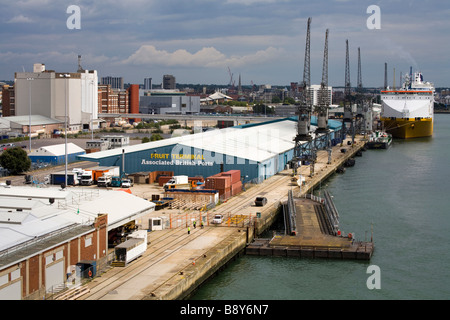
(104, 180)
(86, 178)
(79, 172)
(177, 182)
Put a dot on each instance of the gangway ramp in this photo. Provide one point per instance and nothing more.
(316, 237)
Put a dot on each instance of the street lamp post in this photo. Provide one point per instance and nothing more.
(91, 85)
(29, 119)
(65, 127)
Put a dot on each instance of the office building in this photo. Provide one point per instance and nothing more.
(148, 84)
(169, 103)
(114, 82)
(169, 82)
(315, 89)
(8, 101)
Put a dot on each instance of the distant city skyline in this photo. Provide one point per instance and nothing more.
(201, 42)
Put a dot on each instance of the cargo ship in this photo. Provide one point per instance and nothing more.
(408, 112)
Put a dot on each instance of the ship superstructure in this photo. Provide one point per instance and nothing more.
(408, 112)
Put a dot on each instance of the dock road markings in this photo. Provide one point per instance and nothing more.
(374, 281)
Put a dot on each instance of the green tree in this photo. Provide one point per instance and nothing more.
(276, 99)
(145, 140)
(15, 160)
(289, 101)
(156, 137)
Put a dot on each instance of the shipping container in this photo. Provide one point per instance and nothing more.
(219, 182)
(234, 174)
(162, 180)
(154, 176)
(236, 188)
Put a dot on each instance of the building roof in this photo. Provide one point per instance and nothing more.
(255, 142)
(28, 216)
(57, 150)
(218, 96)
(36, 120)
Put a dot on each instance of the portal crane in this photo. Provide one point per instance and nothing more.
(304, 150)
(324, 102)
(348, 125)
(360, 86)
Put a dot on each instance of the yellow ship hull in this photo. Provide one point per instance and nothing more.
(408, 128)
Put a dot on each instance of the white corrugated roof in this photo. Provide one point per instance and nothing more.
(256, 143)
(57, 150)
(218, 96)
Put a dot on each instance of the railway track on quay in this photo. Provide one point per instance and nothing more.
(162, 246)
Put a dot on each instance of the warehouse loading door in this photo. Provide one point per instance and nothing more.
(54, 275)
(12, 291)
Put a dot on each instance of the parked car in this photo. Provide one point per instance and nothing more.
(218, 219)
(260, 201)
(127, 183)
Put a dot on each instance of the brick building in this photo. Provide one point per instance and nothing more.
(118, 101)
(50, 238)
(8, 101)
(108, 100)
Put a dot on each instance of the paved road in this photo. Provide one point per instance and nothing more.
(39, 175)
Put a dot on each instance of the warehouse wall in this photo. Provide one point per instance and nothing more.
(173, 158)
(56, 160)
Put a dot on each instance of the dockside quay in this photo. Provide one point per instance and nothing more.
(77, 228)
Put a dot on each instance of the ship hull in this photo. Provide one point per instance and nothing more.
(409, 128)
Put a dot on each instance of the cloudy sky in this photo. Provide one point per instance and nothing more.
(198, 40)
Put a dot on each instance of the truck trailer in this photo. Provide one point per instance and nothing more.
(131, 249)
(59, 178)
(177, 182)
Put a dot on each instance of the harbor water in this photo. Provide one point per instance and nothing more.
(400, 195)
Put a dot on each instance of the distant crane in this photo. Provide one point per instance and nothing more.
(348, 113)
(324, 101)
(359, 86)
(231, 84)
(304, 150)
(363, 104)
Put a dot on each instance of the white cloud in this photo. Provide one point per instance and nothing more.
(206, 57)
(20, 19)
(251, 2)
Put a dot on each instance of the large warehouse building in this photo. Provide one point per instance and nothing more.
(259, 151)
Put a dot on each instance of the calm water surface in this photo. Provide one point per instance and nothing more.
(403, 194)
